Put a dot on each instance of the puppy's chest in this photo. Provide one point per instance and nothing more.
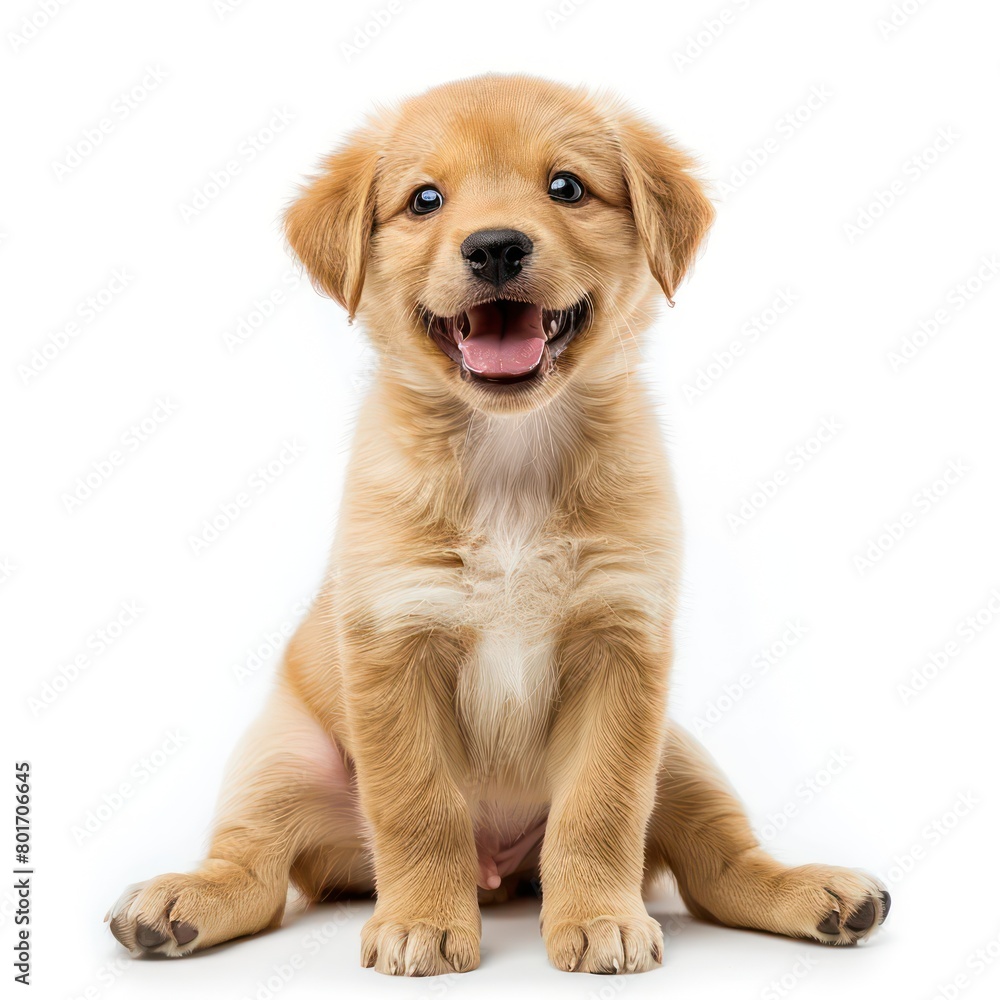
(515, 585)
(516, 581)
(514, 577)
(515, 561)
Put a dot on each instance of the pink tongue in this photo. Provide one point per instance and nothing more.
(504, 340)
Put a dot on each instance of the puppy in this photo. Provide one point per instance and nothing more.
(477, 695)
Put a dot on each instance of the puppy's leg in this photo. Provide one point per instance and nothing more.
(410, 766)
(281, 794)
(337, 868)
(604, 752)
(700, 831)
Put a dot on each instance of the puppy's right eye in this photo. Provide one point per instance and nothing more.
(426, 200)
(565, 187)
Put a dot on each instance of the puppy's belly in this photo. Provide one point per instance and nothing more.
(510, 595)
(507, 841)
(506, 689)
(505, 699)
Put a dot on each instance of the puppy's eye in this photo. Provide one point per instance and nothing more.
(427, 199)
(565, 187)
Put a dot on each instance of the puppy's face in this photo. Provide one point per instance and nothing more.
(500, 236)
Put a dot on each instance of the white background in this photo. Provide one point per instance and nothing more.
(788, 192)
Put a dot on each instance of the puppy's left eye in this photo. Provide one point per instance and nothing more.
(426, 199)
(565, 187)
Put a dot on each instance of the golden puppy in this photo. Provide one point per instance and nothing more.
(478, 693)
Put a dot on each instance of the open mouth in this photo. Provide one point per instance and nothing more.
(504, 341)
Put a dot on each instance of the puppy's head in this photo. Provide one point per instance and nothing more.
(501, 236)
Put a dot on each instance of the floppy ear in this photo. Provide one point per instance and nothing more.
(669, 205)
(330, 225)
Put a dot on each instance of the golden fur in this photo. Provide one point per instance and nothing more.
(490, 651)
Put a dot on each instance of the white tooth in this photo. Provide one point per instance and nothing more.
(553, 326)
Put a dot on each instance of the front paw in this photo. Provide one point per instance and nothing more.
(608, 944)
(398, 946)
(176, 914)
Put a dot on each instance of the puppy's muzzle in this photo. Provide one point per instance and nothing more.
(496, 255)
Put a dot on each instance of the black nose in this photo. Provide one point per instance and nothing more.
(496, 255)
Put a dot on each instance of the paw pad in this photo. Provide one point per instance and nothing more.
(857, 922)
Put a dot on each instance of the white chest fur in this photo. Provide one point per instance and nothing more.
(515, 576)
